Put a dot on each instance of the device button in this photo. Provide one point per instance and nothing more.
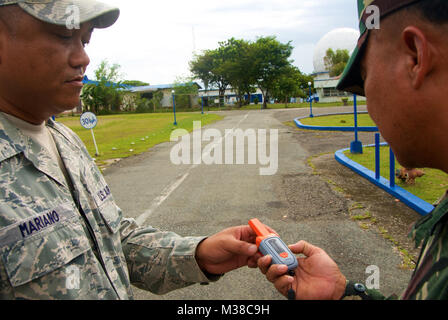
(284, 255)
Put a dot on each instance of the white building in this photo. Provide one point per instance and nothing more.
(230, 97)
(342, 39)
(166, 89)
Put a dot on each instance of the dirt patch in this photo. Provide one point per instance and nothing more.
(305, 193)
(371, 207)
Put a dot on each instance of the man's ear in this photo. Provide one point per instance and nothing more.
(419, 57)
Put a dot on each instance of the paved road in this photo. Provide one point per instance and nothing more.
(204, 199)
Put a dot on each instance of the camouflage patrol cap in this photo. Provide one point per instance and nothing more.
(351, 80)
(59, 11)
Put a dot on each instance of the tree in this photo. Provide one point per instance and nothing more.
(135, 83)
(335, 62)
(156, 100)
(238, 67)
(184, 90)
(143, 104)
(304, 79)
(288, 84)
(270, 60)
(244, 66)
(105, 96)
(209, 68)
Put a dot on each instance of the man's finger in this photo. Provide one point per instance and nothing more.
(264, 263)
(241, 247)
(283, 284)
(276, 271)
(253, 261)
(305, 248)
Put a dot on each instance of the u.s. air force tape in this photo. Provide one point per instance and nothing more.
(36, 224)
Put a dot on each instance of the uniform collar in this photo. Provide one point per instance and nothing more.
(13, 142)
(66, 133)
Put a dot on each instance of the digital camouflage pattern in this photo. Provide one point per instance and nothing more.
(61, 12)
(68, 239)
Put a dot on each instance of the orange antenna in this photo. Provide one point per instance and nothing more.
(259, 228)
(261, 231)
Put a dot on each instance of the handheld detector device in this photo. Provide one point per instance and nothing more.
(271, 244)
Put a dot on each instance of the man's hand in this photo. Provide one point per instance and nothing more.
(228, 250)
(317, 277)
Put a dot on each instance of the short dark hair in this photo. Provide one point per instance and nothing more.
(435, 11)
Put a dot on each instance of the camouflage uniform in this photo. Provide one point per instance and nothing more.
(64, 239)
(430, 278)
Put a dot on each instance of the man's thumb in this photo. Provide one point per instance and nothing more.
(242, 247)
(305, 248)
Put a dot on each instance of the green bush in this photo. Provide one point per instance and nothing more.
(256, 100)
(143, 105)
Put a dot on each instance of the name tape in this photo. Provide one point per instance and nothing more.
(36, 224)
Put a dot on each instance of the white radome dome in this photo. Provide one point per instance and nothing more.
(343, 38)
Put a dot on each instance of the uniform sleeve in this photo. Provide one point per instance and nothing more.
(377, 295)
(369, 294)
(160, 261)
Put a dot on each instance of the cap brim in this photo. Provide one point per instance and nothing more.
(63, 12)
(351, 80)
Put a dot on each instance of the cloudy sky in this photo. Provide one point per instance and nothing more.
(153, 41)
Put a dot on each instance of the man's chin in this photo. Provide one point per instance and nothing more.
(66, 106)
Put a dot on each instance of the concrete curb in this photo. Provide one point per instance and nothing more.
(341, 128)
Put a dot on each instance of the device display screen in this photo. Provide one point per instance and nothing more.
(277, 245)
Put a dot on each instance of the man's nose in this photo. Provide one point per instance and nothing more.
(79, 58)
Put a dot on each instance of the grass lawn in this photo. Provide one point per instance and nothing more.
(117, 135)
(364, 120)
(430, 187)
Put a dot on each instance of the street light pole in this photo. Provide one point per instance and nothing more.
(174, 107)
(311, 102)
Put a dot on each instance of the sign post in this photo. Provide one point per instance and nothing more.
(174, 107)
(89, 121)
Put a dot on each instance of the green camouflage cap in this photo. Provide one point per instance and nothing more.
(351, 80)
(60, 12)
